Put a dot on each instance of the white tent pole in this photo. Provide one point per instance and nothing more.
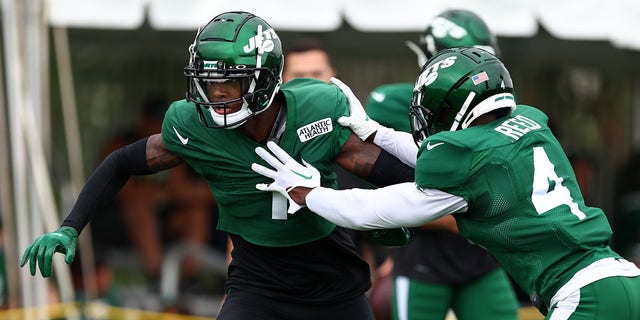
(6, 208)
(30, 89)
(44, 206)
(44, 201)
(74, 152)
(31, 286)
(44, 193)
(38, 25)
(23, 129)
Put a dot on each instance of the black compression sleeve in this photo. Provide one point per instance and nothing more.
(389, 170)
(107, 179)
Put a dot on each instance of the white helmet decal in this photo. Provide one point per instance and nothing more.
(443, 27)
(429, 75)
(263, 40)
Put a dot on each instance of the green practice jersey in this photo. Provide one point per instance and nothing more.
(224, 157)
(525, 205)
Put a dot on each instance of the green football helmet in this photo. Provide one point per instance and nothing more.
(454, 28)
(239, 49)
(457, 86)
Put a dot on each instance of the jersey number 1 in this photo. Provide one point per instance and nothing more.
(278, 206)
(548, 191)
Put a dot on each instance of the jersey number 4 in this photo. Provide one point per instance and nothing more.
(548, 191)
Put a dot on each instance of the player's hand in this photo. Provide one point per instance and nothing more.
(358, 120)
(288, 173)
(41, 251)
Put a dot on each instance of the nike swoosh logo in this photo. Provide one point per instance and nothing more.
(377, 96)
(431, 146)
(182, 139)
(301, 175)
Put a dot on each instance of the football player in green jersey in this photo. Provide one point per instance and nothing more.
(283, 266)
(441, 270)
(498, 169)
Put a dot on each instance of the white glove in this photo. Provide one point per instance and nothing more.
(287, 175)
(358, 120)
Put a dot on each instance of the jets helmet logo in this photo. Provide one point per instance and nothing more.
(263, 40)
(429, 75)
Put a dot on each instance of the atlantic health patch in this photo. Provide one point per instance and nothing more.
(315, 129)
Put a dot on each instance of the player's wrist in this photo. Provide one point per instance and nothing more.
(299, 195)
(371, 137)
(68, 231)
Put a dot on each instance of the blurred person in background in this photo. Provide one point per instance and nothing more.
(308, 58)
(499, 170)
(297, 266)
(158, 210)
(441, 270)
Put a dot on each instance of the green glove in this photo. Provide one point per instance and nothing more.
(62, 240)
(391, 237)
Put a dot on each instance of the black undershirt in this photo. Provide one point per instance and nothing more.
(322, 271)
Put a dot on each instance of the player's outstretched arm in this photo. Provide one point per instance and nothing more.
(382, 169)
(145, 156)
(399, 205)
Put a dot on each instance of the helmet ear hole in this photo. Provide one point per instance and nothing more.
(502, 112)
